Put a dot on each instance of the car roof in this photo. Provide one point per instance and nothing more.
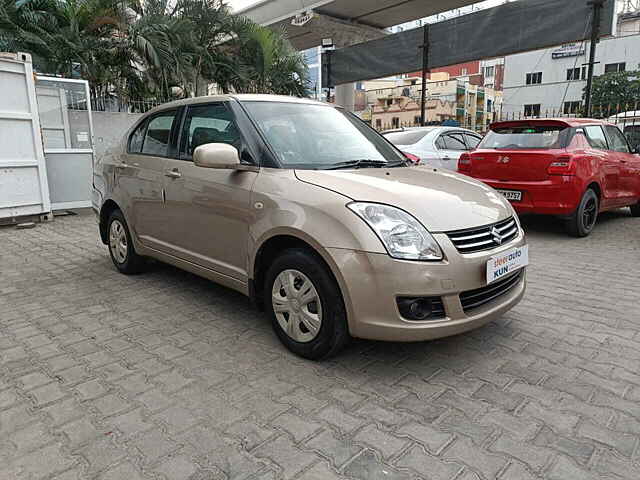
(241, 97)
(569, 122)
(430, 128)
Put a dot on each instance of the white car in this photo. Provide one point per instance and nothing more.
(440, 147)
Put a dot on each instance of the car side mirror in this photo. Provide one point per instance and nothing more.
(217, 155)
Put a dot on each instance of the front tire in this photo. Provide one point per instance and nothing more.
(582, 221)
(305, 305)
(123, 254)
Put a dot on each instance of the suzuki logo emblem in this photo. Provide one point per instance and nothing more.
(504, 159)
(497, 237)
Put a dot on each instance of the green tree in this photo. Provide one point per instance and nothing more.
(152, 49)
(615, 92)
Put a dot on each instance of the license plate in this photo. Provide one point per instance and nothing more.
(502, 265)
(512, 195)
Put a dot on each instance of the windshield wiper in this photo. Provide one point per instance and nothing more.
(363, 163)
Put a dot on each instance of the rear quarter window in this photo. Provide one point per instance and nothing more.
(526, 137)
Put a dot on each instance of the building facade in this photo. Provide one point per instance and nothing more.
(453, 101)
(550, 82)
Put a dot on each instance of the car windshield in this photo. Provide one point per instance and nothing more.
(308, 136)
(524, 137)
(410, 137)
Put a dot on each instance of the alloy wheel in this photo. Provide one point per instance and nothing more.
(118, 241)
(589, 213)
(296, 305)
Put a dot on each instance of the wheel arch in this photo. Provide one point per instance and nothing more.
(108, 207)
(595, 186)
(278, 241)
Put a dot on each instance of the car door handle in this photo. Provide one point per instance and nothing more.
(172, 174)
(446, 157)
(122, 165)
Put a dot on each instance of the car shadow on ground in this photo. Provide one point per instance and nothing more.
(215, 295)
(550, 225)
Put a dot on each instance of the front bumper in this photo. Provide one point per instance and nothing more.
(372, 282)
(559, 195)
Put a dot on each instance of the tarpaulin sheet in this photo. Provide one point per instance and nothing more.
(495, 32)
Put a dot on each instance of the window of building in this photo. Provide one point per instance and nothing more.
(417, 119)
(207, 124)
(389, 102)
(489, 71)
(615, 67)
(489, 105)
(532, 110)
(574, 73)
(156, 140)
(572, 107)
(378, 123)
(584, 73)
(534, 78)
(395, 122)
(596, 137)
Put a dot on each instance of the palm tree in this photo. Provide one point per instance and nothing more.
(152, 49)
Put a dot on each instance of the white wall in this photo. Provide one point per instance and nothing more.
(551, 93)
(109, 128)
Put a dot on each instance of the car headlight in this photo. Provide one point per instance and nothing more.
(402, 235)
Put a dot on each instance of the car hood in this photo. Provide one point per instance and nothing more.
(441, 200)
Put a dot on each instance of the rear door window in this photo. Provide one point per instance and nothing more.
(472, 140)
(596, 137)
(158, 136)
(454, 141)
(617, 140)
(526, 137)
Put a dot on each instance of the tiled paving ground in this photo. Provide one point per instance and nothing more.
(167, 376)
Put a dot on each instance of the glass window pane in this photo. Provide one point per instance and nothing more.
(135, 140)
(618, 140)
(454, 141)
(596, 137)
(472, 140)
(208, 124)
(64, 118)
(156, 140)
(317, 136)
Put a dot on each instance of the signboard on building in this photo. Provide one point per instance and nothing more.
(574, 49)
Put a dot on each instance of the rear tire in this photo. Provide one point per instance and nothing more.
(305, 305)
(582, 221)
(123, 254)
(635, 210)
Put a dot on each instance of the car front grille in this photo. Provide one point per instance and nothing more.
(480, 296)
(484, 238)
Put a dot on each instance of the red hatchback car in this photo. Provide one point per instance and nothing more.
(572, 168)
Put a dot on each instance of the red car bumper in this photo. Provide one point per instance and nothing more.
(559, 195)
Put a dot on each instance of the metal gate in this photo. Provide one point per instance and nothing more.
(23, 175)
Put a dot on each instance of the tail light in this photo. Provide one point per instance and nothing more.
(415, 159)
(464, 163)
(562, 166)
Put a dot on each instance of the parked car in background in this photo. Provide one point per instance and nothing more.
(440, 147)
(333, 239)
(573, 168)
(629, 123)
